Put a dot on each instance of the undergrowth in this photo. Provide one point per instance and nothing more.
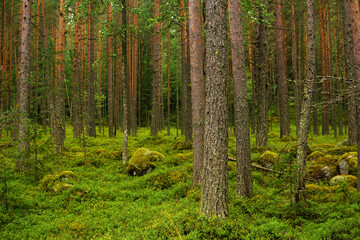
(102, 202)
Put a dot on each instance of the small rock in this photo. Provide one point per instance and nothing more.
(343, 167)
(352, 180)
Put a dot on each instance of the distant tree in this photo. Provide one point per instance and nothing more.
(214, 197)
(306, 105)
(241, 109)
(110, 77)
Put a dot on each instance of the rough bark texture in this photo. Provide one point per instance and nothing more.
(90, 107)
(349, 59)
(134, 72)
(99, 76)
(197, 87)
(241, 105)
(355, 27)
(125, 91)
(155, 116)
(281, 72)
(110, 78)
(306, 106)
(261, 81)
(76, 82)
(214, 197)
(60, 88)
(24, 79)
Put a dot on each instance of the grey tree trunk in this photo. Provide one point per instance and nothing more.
(214, 197)
(300, 190)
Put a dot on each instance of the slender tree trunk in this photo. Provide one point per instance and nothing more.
(125, 89)
(90, 107)
(300, 190)
(109, 78)
(134, 72)
(251, 67)
(261, 78)
(25, 62)
(241, 108)
(60, 84)
(99, 76)
(155, 116)
(215, 197)
(45, 67)
(339, 64)
(281, 72)
(295, 70)
(197, 87)
(168, 76)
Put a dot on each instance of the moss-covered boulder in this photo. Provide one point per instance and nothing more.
(75, 149)
(165, 180)
(182, 157)
(350, 179)
(341, 150)
(181, 144)
(57, 182)
(323, 146)
(268, 159)
(348, 160)
(293, 151)
(318, 171)
(315, 156)
(142, 162)
(98, 151)
(273, 135)
(317, 188)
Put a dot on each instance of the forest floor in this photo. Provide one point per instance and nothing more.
(97, 200)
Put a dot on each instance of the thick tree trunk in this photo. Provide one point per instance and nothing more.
(60, 84)
(110, 78)
(45, 67)
(214, 197)
(349, 70)
(99, 76)
(241, 108)
(90, 107)
(24, 79)
(355, 27)
(125, 89)
(300, 190)
(281, 72)
(197, 87)
(134, 72)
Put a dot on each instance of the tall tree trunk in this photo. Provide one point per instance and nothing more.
(349, 70)
(251, 67)
(109, 77)
(295, 69)
(37, 36)
(125, 88)
(306, 106)
(25, 62)
(241, 108)
(215, 196)
(155, 116)
(168, 75)
(197, 87)
(281, 72)
(99, 76)
(134, 71)
(261, 78)
(339, 64)
(45, 67)
(76, 83)
(90, 107)
(60, 84)
(355, 27)
(324, 67)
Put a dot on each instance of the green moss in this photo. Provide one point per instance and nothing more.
(351, 159)
(273, 135)
(268, 157)
(76, 149)
(315, 156)
(142, 161)
(316, 188)
(324, 146)
(57, 182)
(318, 171)
(328, 160)
(232, 166)
(350, 179)
(293, 151)
(180, 144)
(341, 150)
(98, 151)
(165, 180)
(182, 157)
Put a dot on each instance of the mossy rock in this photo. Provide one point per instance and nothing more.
(293, 151)
(351, 159)
(268, 158)
(114, 155)
(315, 156)
(317, 188)
(273, 135)
(350, 179)
(259, 149)
(328, 160)
(318, 171)
(98, 151)
(341, 150)
(57, 182)
(75, 149)
(287, 139)
(181, 144)
(324, 146)
(166, 180)
(143, 161)
(182, 157)
(80, 154)
(232, 166)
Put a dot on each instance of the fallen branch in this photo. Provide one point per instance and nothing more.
(258, 167)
